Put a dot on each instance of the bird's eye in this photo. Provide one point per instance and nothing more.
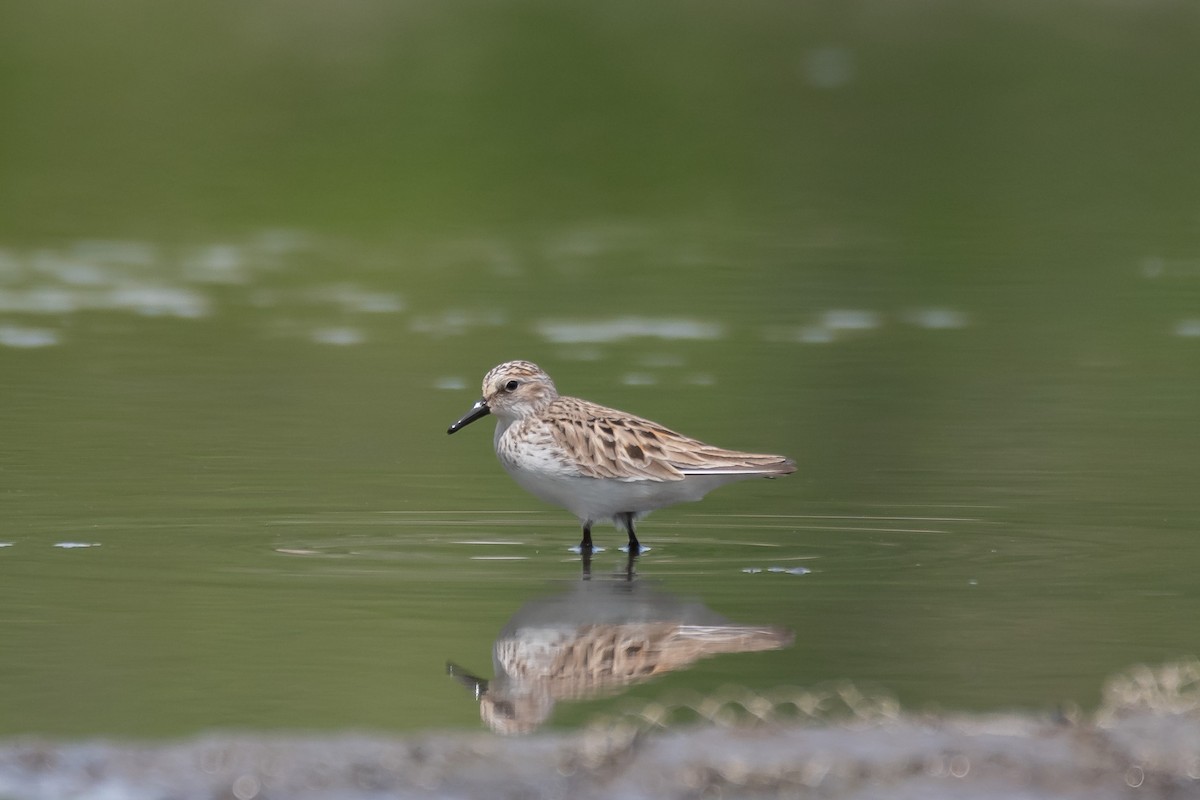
(511, 386)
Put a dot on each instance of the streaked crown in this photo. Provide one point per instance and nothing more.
(517, 388)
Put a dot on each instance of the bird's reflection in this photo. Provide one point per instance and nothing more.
(592, 641)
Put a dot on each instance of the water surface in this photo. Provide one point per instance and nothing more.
(951, 269)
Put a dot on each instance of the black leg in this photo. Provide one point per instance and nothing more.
(586, 564)
(626, 518)
(586, 545)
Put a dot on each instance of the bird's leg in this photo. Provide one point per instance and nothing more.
(585, 557)
(626, 518)
(586, 545)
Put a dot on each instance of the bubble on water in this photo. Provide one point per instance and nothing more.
(246, 787)
(75, 545)
(638, 379)
(752, 570)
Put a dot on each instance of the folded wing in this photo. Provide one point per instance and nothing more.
(610, 444)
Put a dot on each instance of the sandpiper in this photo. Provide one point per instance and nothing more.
(597, 462)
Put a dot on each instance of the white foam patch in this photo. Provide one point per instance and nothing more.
(621, 328)
(188, 282)
(457, 322)
(1188, 328)
(937, 318)
(282, 241)
(661, 360)
(10, 266)
(830, 67)
(116, 252)
(581, 353)
(40, 300)
(355, 299)
(814, 334)
(157, 301)
(342, 337)
(20, 337)
(849, 319)
(71, 271)
(217, 263)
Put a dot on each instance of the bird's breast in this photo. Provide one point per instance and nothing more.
(530, 447)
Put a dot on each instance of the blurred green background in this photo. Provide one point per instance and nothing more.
(255, 257)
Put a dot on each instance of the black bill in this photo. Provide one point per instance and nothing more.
(476, 685)
(480, 409)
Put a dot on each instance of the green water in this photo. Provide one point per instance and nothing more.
(255, 259)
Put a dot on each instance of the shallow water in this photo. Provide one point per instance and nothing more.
(280, 534)
(228, 499)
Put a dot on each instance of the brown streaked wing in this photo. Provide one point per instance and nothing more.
(607, 443)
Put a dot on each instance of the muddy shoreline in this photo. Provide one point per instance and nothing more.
(1149, 754)
(836, 742)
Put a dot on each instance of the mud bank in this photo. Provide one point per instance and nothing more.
(1144, 743)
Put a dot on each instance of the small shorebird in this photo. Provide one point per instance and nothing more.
(597, 462)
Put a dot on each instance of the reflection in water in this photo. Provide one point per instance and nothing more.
(594, 640)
